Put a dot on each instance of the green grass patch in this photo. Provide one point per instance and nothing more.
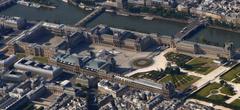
(226, 91)
(230, 75)
(217, 98)
(142, 62)
(201, 65)
(237, 80)
(236, 103)
(177, 57)
(181, 81)
(153, 75)
(40, 59)
(206, 90)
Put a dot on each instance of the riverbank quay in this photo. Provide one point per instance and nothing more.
(4, 4)
(35, 5)
(223, 28)
(150, 15)
(156, 17)
(171, 19)
(160, 25)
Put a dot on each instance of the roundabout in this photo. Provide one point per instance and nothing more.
(142, 62)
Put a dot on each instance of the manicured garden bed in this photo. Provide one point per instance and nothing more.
(201, 65)
(153, 75)
(233, 73)
(181, 81)
(177, 57)
(227, 91)
(236, 103)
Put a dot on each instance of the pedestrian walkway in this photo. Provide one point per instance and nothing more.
(160, 62)
(193, 73)
(237, 95)
(210, 77)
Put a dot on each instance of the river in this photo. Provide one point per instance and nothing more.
(217, 37)
(64, 13)
(68, 14)
(134, 23)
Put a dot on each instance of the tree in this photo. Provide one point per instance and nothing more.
(180, 64)
(172, 70)
(222, 82)
(177, 70)
(231, 89)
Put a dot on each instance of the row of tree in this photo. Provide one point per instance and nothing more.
(224, 24)
(160, 11)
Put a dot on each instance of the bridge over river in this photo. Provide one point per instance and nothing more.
(190, 29)
(90, 17)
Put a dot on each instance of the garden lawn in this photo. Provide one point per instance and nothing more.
(236, 104)
(201, 65)
(206, 90)
(153, 75)
(228, 76)
(181, 81)
(218, 98)
(176, 57)
(226, 91)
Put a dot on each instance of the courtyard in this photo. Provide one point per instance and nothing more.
(123, 57)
